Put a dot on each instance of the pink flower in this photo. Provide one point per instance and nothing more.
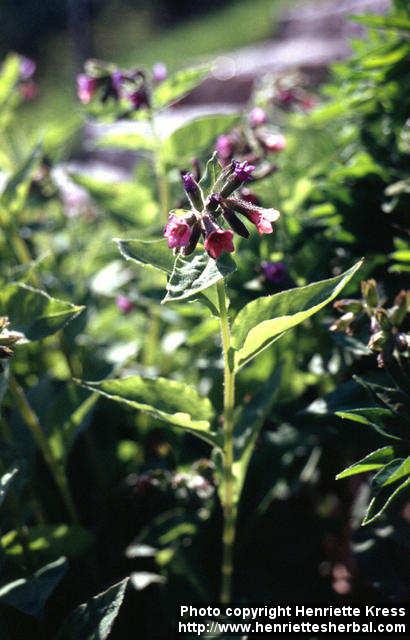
(257, 117)
(217, 240)
(224, 147)
(124, 304)
(86, 87)
(274, 142)
(263, 218)
(177, 232)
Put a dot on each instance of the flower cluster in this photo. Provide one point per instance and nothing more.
(107, 82)
(287, 92)
(255, 143)
(389, 326)
(8, 338)
(206, 216)
(27, 86)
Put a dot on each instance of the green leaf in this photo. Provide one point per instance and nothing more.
(94, 619)
(384, 22)
(400, 469)
(131, 140)
(382, 420)
(266, 319)
(372, 461)
(195, 137)
(30, 595)
(33, 312)
(211, 173)
(178, 85)
(249, 424)
(5, 483)
(16, 187)
(168, 400)
(383, 500)
(148, 253)
(195, 273)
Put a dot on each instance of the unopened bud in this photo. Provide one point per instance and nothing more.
(193, 191)
(343, 323)
(369, 292)
(382, 318)
(234, 222)
(402, 342)
(343, 306)
(377, 341)
(400, 309)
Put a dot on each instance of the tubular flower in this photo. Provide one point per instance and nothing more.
(86, 88)
(177, 232)
(217, 240)
(260, 217)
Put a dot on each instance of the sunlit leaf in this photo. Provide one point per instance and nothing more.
(130, 140)
(178, 85)
(195, 137)
(148, 253)
(33, 312)
(174, 402)
(372, 461)
(384, 499)
(195, 273)
(382, 420)
(266, 319)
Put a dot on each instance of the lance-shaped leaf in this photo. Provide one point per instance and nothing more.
(34, 313)
(148, 253)
(212, 171)
(385, 496)
(178, 85)
(30, 595)
(371, 462)
(195, 273)
(266, 319)
(5, 483)
(382, 420)
(94, 619)
(168, 400)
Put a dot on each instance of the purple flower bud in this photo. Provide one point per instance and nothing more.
(86, 88)
(275, 272)
(257, 117)
(124, 304)
(159, 72)
(193, 190)
(27, 68)
(273, 142)
(243, 170)
(189, 182)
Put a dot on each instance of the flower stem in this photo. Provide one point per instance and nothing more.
(33, 424)
(228, 498)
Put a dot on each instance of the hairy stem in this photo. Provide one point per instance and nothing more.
(32, 422)
(229, 507)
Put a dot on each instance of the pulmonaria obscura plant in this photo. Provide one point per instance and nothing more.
(208, 215)
(200, 272)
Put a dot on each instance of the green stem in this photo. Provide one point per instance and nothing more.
(33, 424)
(228, 500)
